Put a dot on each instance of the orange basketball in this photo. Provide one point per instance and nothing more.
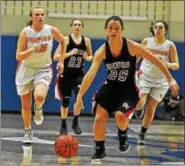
(66, 146)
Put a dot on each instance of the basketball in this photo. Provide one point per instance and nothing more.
(66, 146)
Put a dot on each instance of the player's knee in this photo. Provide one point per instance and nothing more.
(120, 117)
(65, 102)
(100, 119)
(40, 98)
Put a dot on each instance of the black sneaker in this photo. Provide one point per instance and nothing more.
(98, 155)
(76, 127)
(63, 130)
(139, 113)
(141, 139)
(123, 143)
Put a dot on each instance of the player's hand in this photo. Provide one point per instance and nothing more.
(40, 48)
(85, 55)
(174, 87)
(168, 65)
(79, 104)
(74, 51)
(60, 67)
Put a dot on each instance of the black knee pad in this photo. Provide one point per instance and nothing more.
(65, 102)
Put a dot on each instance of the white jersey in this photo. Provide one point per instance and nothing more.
(162, 52)
(43, 59)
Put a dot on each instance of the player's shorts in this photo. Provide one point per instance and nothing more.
(64, 86)
(157, 88)
(27, 78)
(113, 101)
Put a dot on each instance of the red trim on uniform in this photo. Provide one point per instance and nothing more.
(129, 112)
(58, 89)
(139, 73)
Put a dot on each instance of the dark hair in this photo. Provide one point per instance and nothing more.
(29, 23)
(75, 20)
(166, 26)
(115, 18)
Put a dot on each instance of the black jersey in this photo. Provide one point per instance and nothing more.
(121, 69)
(73, 66)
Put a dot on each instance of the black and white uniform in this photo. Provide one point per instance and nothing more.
(37, 67)
(73, 74)
(119, 92)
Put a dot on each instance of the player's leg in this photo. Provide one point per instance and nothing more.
(144, 89)
(141, 103)
(123, 115)
(42, 81)
(75, 122)
(40, 94)
(24, 86)
(156, 95)
(65, 91)
(99, 131)
(26, 103)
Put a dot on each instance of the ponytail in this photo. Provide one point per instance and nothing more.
(29, 23)
(151, 28)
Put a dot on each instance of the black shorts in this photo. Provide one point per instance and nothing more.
(111, 99)
(68, 84)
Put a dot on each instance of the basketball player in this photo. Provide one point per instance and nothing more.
(152, 82)
(34, 70)
(118, 93)
(78, 50)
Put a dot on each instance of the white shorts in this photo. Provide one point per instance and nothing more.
(27, 78)
(157, 88)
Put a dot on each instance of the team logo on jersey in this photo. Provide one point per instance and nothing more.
(125, 105)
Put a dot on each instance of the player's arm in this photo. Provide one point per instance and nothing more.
(58, 36)
(90, 75)
(57, 52)
(143, 44)
(22, 51)
(174, 60)
(89, 56)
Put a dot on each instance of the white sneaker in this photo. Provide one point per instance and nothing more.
(28, 136)
(38, 117)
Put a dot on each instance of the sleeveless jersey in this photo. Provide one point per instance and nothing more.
(162, 52)
(121, 69)
(43, 59)
(73, 65)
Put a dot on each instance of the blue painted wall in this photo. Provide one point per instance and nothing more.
(10, 100)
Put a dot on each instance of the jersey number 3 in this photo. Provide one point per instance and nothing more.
(75, 62)
(121, 75)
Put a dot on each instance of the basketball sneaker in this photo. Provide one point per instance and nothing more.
(139, 113)
(38, 117)
(63, 130)
(76, 127)
(141, 139)
(28, 136)
(98, 155)
(123, 143)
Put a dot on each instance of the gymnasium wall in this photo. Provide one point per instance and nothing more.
(10, 100)
(14, 19)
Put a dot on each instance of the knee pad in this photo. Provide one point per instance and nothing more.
(65, 102)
